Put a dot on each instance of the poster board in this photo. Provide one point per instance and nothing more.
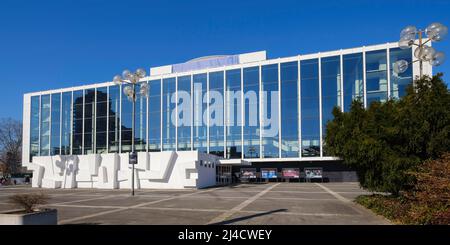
(313, 173)
(290, 173)
(248, 173)
(269, 173)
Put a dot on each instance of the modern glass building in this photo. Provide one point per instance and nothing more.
(239, 107)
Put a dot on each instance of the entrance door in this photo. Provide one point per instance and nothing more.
(223, 175)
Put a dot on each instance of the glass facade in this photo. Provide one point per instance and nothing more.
(184, 119)
(376, 76)
(251, 117)
(289, 109)
(168, 128)
(66, 117)
(331, 89)
(216, 114)
(34, 126)
(233, 119)
(200, 127)
(154, 115)
(353, 79)
(269, 112)
(44, 143)
(55, 139)
(101, 124)
(399, 82)
(89, 121)
(77, 128)
(310, 110)
(275, 109)
(114, 119)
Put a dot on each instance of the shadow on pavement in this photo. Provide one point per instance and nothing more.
(231, 221)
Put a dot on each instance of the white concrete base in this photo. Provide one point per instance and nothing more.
(44, 217)
(159, 170)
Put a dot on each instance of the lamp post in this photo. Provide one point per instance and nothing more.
(435, 32)
(131, 80)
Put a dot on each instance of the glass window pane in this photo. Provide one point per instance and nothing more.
(331, 89)
(34, 127)
(89, 121)
(77, 122)
(399, 82)
(270, 112)
(233, 113)
(169, 86)
(200, 109)
(310, 117)
(154, 117)
(114, 119)
(216, 113)
(376, 76)
(45, 126)
(289, 110)
(251, 113)
(56, 125)
(101, 124)
(184, 113)
(66, 120)
(353, 79)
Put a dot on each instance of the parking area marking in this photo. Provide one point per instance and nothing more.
(336, 195)
(241, 206)
(130, 207)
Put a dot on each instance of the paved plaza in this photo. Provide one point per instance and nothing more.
(271, 204)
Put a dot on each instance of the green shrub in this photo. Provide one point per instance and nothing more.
(387, 140)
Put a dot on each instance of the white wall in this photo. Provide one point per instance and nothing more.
(159, 170)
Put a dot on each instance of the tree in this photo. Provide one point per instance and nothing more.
(11, 144)
(386, 140)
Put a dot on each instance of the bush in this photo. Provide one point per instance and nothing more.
(29, 201)
(428, 202)
(387, 140)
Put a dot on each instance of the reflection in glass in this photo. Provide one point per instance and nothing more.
(353, 79)
(376, 76)
(140, 137)
(154, 116)
(114, 119)
(56, 125)
(34, 127)
(199, 128)
(270, 114)
(251, 113)
(184, 113)
(216, 118)
(331, 89)
(77, 128)
(169, 86)
(289, 109)
(233, 113)
(45, 125)
(66, 119)
(399, 82)
(310, 129)
(101, 120)
(89, 121)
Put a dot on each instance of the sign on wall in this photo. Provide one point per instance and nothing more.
(248, 173)
(269, 173)
(291, 173)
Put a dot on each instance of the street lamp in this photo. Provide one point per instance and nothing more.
(435, 32)
(131, 80)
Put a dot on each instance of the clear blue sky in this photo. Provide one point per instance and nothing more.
(54, 44)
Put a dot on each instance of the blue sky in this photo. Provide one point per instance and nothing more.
(55, 44)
